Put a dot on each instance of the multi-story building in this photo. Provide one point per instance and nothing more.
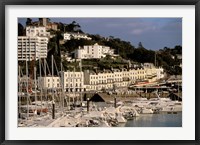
(88, 80)
(153, 73)
(45, 22)
(137, 74)
(160, 73)
(40, 31)
(73, 81)
(52, 26)
(119, 78)
(49, 82)
(32, 47)
(70, 35)
(93, 52)
(111, 79)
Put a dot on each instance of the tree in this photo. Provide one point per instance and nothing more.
(28, 21)
(20, 29)
(140, 45)
(58, 38)
(73, 27)
(61, 26)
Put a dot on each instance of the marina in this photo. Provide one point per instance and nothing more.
(102, 114)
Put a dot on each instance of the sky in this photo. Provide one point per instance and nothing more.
(154, 33)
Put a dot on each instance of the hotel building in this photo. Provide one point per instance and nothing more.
(49, 82)
(37, 31)
(73, 81)
(107, 79)
(93, 52)
(32, 47)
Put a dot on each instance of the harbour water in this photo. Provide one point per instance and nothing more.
(155, 120)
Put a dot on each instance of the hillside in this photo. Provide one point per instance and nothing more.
(165, 57)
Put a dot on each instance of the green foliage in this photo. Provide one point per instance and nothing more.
(140, 45)
(28, 21)
(73, 27)
(52, 32)
(21, 30)
(121, 47)
(142, 55)
(73, 44)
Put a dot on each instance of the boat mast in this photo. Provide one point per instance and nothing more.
(69, 86)
(45, 74)
(40, 83)
(62, 84)
(52, 78)
(27, 85)
(81, 80)
(178, 89)
(73, 85)
(35, 90)
(20, 92)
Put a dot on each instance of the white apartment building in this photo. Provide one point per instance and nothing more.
(93, 51)
(32, 47)
(49, 82)
(69, 81)
(69, 36)
(73, 81)
(37, 31)
(153, 73)
(160, 73)
(110, 79)
(52, 26)
(136, 74)
(119, 78)
(96, 81)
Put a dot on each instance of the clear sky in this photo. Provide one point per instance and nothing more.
(154, 33)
